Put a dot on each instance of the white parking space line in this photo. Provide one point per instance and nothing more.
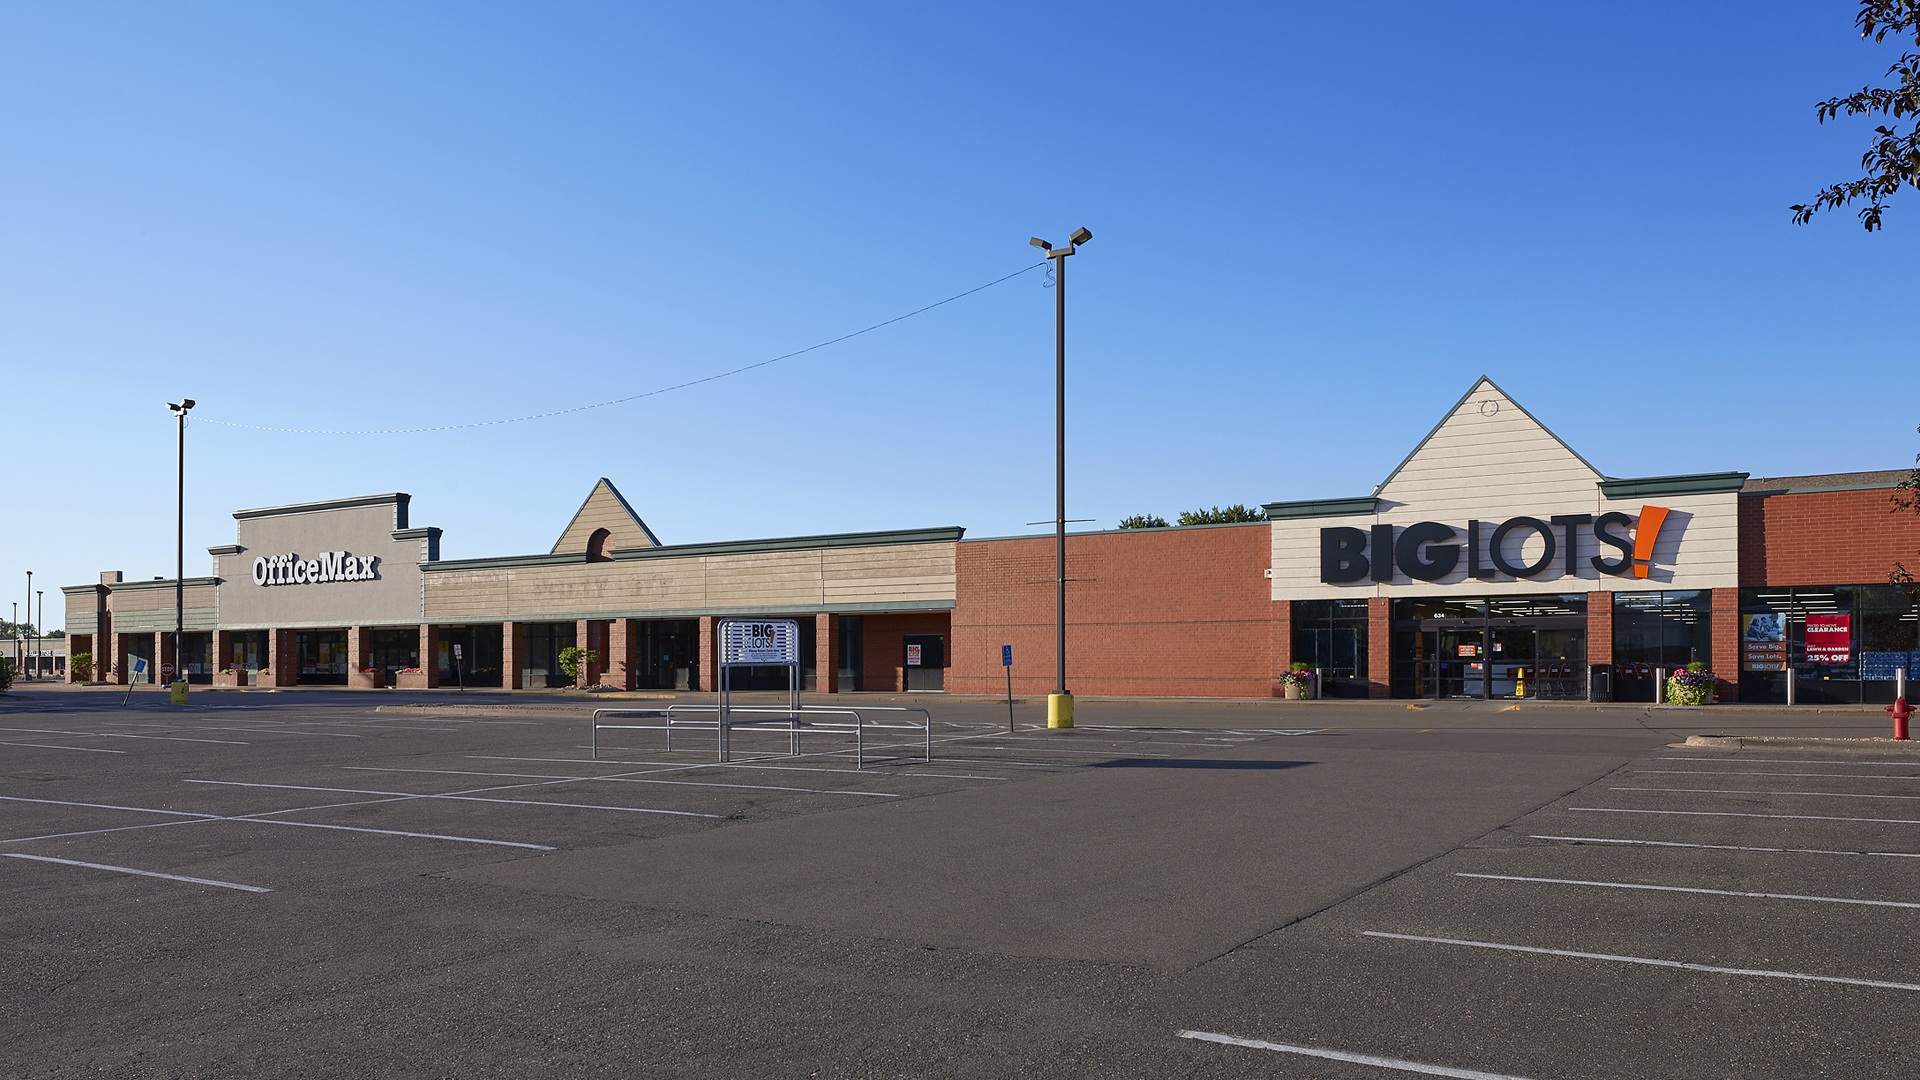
(50, 746)
(106, 806)
(1751, 791)
(1730, 813)
(669, 766)
(130, 870)
(1342, 1055)
(618, 779)
(1724, 772)
(118, 735)
(1728, 847)
(263, 731)
(1855, 760)
(456, 796)
(390, 832)
(1683, 889)
(1761, 973)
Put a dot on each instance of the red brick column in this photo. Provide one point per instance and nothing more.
(222, 649)
(707, 659)
(281, 658)
(826, 654)
(1379, 647)
(430, 653)
(622, 645)
(586, 635)
(359, 649)
(1282, 645)
(1726, 644)
(1600, 628)
(117, 660)
(513, 655)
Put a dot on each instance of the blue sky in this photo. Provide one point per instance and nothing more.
(1314, 224)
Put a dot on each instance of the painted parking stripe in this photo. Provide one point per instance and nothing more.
(1729, 813)
(628, 780)
(390, 832)
(1684, 889)
(1854, 755)
(1751, 791)
(50, 746)
(1708, 968)
(671, 766)
(1728, 847)
(107, 806)
(1723, 772)
(456, 797)
(1342, 1055)
(131, 870)
(118, 735)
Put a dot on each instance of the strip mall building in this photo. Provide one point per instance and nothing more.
(1494, 561)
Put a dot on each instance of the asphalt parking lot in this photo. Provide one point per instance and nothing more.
(305, 884)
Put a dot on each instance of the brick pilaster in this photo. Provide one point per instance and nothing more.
(586, 635)
(826, 654)
(1282, 646)
(1379, 647)
(280, 657)
(359, 649)
(222, 649)
(623, 640)
(430, 653)
(707, 659)
(1726, 644)
(513, 655)
(119, 658)
(1600, 628)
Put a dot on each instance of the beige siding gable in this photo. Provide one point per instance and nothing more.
(605, 509)
(1488, 446)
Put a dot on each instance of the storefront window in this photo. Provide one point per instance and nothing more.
(1331, 636)
(1527, 646)
(478, 662)
(1843, 643)
(1655, 632)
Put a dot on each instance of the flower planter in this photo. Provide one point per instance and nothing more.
(1290, 691)
(366, 680)
(229, 678)
(411, 680)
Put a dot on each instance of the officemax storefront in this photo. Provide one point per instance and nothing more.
(1494, 561)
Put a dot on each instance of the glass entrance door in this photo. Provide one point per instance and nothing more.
(1461, 666)
(1511, 662)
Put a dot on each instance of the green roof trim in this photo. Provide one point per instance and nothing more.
(1657, 487)
(1456, 408)
(225, 549)
(399, 499)
(946, 534)
(1313, 508)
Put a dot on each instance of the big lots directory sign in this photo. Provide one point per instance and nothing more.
(747, 642)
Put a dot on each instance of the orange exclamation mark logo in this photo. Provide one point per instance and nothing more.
(1651, 518)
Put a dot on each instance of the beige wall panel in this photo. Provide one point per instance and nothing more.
(765, 579)
(602, 510)
(395, 596)
(152, 620)
(467, 594)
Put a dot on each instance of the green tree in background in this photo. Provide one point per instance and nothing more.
(1144, 521)
(1230, 516)
(1892, 161)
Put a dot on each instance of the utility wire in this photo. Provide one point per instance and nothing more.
(636, 397)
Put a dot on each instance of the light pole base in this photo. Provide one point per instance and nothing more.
(180, 692)
(1059, 710)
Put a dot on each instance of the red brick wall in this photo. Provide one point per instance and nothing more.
(1379, 646)
(1600, 628)
(1174, 613)
(1825, 538)
(1726, 643)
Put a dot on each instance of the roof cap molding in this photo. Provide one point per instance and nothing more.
(1656, 487)
(399, 499)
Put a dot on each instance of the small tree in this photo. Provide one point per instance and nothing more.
(572, 659)
(1230, 516)
(1144, 521)
(6, 674)
(82, 665)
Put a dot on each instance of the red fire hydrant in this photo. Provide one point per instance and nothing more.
(1900, 711)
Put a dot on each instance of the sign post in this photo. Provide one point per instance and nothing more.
(139, 669)
(758, 643)
(1006, 661)
(459, 677)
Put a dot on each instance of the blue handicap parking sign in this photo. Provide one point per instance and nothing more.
(1006, 656)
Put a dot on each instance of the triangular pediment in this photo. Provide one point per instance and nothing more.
(1487, 442)
(605, 508)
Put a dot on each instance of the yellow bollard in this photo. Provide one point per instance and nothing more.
(1059, 710)
(180, 692)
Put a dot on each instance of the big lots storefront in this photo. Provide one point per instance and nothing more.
(1493, 562)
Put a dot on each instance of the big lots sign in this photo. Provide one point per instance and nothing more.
(1430, 550)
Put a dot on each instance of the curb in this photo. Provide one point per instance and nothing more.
(1791, 742)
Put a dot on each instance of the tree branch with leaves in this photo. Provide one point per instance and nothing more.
(1893, 160)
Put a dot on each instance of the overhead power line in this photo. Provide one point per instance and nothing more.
(631, 397)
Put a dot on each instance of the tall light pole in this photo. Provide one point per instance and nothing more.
(1060, 702)
(180, 551)
(36, 629)
(39, 631)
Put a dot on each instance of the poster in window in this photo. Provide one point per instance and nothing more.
(913, 656)
(1829, 639)
(1763, 640)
